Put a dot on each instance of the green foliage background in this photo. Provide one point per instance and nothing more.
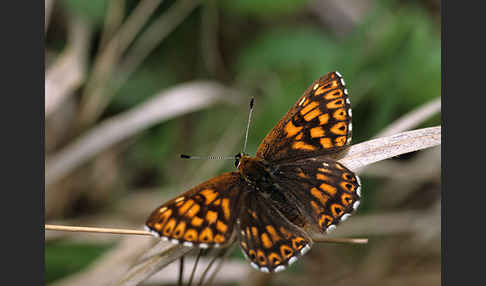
(390, 60)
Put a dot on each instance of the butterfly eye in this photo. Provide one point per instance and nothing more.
(237, 159)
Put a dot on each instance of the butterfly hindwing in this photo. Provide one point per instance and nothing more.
(266, 237)
(203, 216)
(324, 190)
(319, 123)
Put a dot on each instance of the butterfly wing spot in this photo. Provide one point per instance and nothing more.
(179, 230)
(197, 221)
(162, 209)
(358, 191)
(340, 128)
(325, 220)
(313, 114)
(226, 209)
(340, 114)
(209, 195)
(347, 186)
(350, 113)
(356, 205)
(328, 189)
(322, 177)
(337, 103)
(315, 207)
(221, 227)
(325, 88)
(252, 254)
(206, 235)
(325, 170)
(348, 177)
(211, 217)
(337, 210)
(350, 127)
(169, 227)
(183, 209)
(193, 211)
(317, 132)
(190, 235)
(262, 260)
(324, 118)
(291, 130)
(286, 251)
(302, 175)
(179, 199)
(267, 243)
(322, 198)
(309, 107)
(340, 141)
(346, 199)
(274, 258)
(326, 143)
(301, 145)
(273, 233)
(253, 214)
(218, 238)
(315, 86)
(298, 243)
(334, 94)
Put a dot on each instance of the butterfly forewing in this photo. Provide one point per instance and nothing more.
(319, 123)
(324, 190)
(203, 216)
(267, 238)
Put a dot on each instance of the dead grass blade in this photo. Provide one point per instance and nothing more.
(165, 105)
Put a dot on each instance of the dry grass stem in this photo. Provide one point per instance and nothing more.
(165, 105)
(143, 232)
(108, 59)
(413, 118)
(48, 5)
(68, 71)
(375, 150)
(152, 37)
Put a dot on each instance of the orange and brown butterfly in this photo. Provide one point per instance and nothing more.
(276, 201)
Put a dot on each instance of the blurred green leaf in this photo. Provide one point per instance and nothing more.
(263, 7)
(92, 10)
(62, 258)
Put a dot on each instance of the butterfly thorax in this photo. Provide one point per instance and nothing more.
(256, 172)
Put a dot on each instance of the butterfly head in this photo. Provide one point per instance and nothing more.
(238, 158)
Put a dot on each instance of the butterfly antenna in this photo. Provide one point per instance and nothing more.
(248, 125)
(184, 156)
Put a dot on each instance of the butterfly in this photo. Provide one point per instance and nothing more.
(276, 201)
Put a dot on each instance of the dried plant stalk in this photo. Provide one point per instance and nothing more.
(166, 105)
